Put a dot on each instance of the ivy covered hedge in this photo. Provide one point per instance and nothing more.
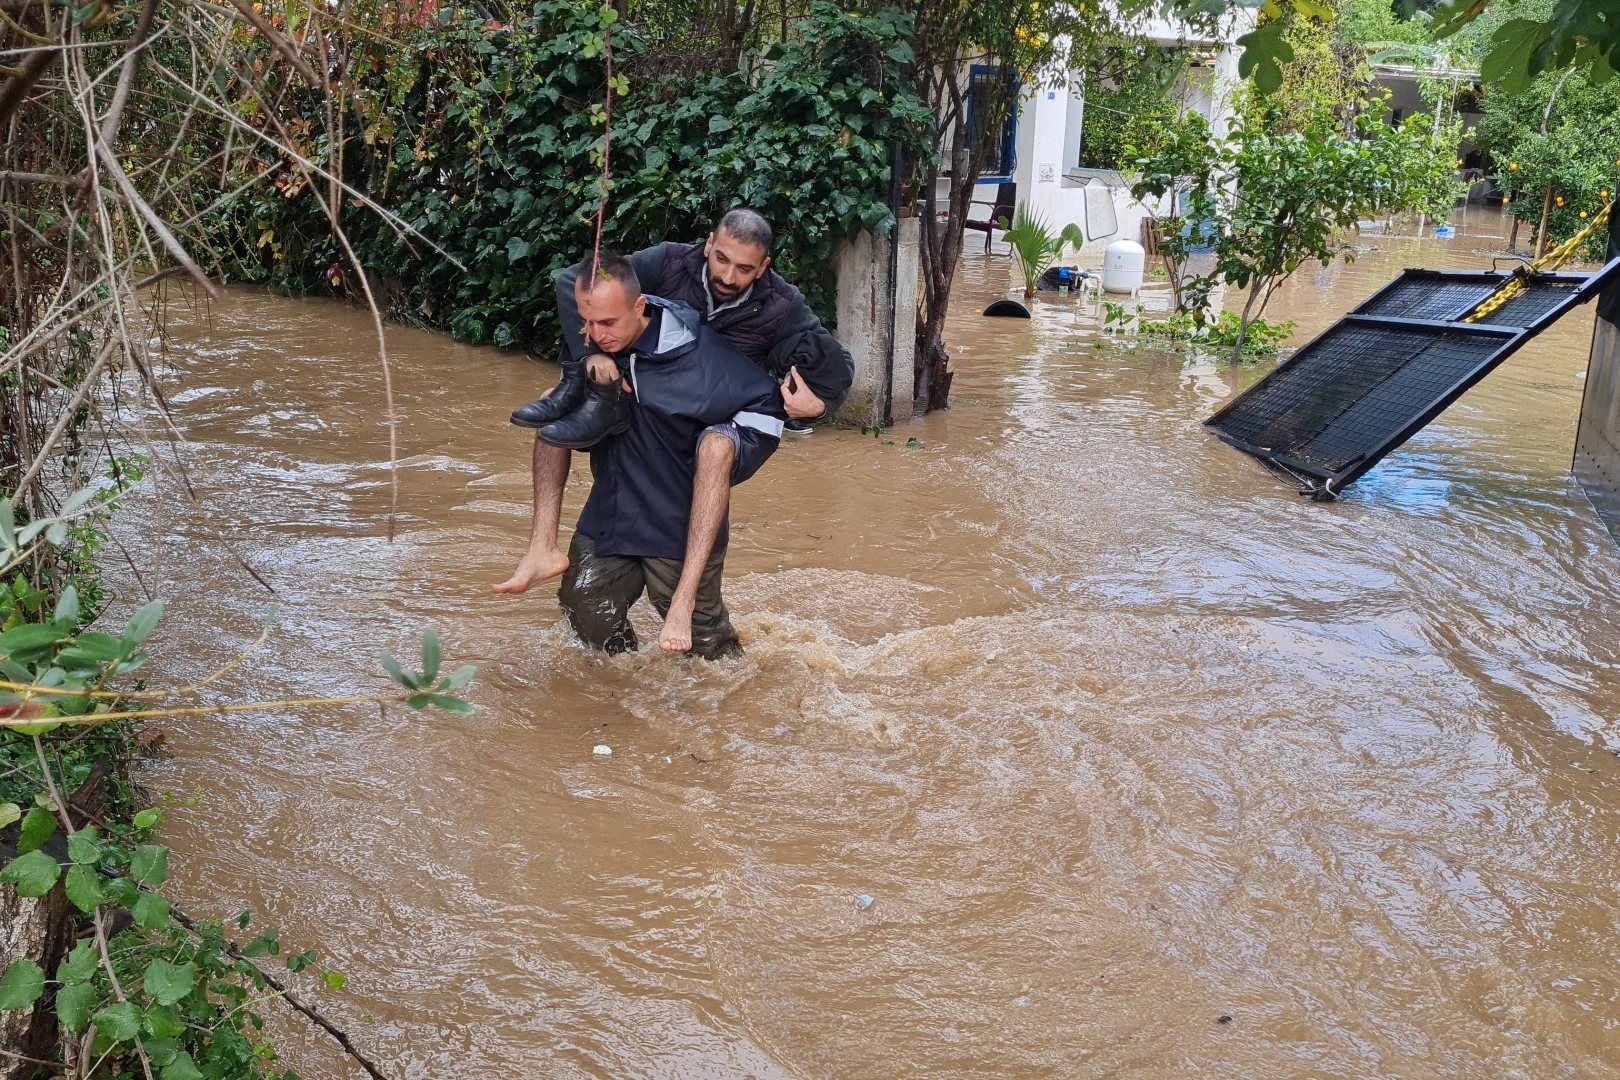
(481, 136)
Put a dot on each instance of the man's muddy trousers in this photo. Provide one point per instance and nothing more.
(598, 590)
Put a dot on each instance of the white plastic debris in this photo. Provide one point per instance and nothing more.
(602, 750)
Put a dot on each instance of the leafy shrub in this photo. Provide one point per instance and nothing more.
(482, 137)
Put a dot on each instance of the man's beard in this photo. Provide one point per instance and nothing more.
(720, 297)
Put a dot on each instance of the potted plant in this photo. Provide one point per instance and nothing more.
(1034, 247)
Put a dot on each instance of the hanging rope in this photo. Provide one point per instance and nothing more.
(607, 136)
(1555, 258)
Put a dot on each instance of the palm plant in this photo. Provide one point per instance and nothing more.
(1034, 246)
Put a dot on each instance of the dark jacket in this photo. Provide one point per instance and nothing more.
(772, 312)
(641, 498)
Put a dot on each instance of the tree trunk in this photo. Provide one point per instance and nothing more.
(1243, 323)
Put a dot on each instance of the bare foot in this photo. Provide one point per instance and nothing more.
(676, 636)
(537, 566)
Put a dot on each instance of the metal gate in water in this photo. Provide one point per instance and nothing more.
(1375, 378)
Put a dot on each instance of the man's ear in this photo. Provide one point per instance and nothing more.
(641, 306)
(708, 246)
(764, 266)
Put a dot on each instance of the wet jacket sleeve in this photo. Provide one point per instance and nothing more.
(756, 430)
(802, 320)
(648, 263)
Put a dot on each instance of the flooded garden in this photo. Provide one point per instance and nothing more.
(1068, 740)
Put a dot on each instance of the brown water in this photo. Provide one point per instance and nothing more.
(1121, 735)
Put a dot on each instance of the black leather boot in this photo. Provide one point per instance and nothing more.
(564, 398)
(605, 412)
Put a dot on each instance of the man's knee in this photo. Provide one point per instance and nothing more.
(716, 450)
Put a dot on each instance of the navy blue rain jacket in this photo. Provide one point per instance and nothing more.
(641, 497)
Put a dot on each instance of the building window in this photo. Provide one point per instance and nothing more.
(983, 80)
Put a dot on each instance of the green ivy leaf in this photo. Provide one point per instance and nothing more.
(74, 1004)
(34, 874)
(150, 865)
(167, 982)
(147, 818)
(120, 1022)
(151, 911)
(23, 983)
(83, 888)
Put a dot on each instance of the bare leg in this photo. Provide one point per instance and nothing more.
(711, 498)
(543, 559)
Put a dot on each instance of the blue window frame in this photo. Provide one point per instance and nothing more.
(1001, 158)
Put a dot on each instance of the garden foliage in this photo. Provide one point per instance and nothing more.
(1579, 155)
(1268, 202)
(482, 137)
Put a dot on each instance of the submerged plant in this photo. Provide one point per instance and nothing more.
(1034, 246)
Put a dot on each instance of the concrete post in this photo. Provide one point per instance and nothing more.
(877, 320)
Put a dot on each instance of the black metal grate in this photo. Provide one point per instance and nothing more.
(1374, 378)
(1539, 298)
(1352, 388)
(1415, 296)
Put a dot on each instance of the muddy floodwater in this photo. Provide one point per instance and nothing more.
(1148, 766)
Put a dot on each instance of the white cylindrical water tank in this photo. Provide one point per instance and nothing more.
(1122, 267)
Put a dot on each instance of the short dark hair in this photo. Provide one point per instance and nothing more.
(749, 226)
(610, 264)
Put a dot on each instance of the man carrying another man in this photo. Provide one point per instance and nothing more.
(745, 305)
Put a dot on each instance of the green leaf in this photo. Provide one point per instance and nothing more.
(141, 626)
(98, 646)
(84, 888)
(28, 639)
(160, 1051)
(718, 123)
(147, 818)
(1264, 53)
(450, 704)
(34, 874)
(182, 1068)
(334, 979)
(1511, 59)
(80, 965)
(150, 865)
(9, 812)
(8, 525)
(151, 911)
(67, 609)
(120, 1022)
(162, 1022)
(517, 248)
(167, 982)
(460, 677)
(74, 1004)
(56, 533)
(264, 943)
(400, 675)
(23, 983)
(84, 846)
(430, 657)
